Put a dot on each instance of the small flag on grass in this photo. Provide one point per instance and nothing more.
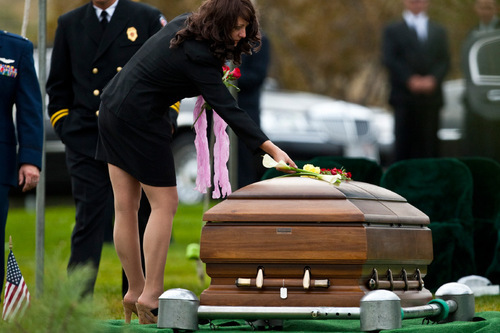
(17, 296)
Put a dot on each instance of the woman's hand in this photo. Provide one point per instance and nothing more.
(277, 154)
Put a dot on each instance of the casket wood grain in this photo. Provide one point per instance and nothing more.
(326, 245)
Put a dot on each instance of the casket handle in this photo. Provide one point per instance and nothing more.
(306, 281)
(277, 283)
(259, 280)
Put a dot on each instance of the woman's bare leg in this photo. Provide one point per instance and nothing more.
(127, 193)
(164, 203)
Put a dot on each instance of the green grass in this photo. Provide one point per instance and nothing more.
(59, 220)
(179, 273)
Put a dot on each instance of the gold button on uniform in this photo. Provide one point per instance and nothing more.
(96, 92)
(95, 70)
(118, 69)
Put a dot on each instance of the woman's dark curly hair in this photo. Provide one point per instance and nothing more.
(214, 21)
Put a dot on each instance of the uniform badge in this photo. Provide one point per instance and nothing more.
(132, 34)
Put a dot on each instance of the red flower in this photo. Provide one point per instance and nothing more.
(235, 74)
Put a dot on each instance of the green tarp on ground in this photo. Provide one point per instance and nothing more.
(490, 324)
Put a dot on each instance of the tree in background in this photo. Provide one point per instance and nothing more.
(329, 47)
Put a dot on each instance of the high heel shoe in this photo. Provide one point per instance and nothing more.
(128, 308)
(146, 315)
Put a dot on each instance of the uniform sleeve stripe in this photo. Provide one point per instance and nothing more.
(58, 115)
(176, 106)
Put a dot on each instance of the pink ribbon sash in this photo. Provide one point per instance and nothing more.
(222, 186)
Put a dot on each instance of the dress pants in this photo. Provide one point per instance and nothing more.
(416, 126)
(93, 196)
(482, 136)
(249, 164)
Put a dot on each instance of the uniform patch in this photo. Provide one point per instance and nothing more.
(8, 70)
(163, 20)
(132, 34)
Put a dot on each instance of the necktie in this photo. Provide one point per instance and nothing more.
(104, 20)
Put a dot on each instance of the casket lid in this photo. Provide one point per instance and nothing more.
(308, 188)
(300, 199)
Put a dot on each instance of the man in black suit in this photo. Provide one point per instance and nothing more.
(415, 52)
(92, 43)
(21, 138)
(253, 74)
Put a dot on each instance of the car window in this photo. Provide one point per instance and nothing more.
(483, 61)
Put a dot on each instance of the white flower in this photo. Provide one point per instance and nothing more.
(332, 179)
(269, 163)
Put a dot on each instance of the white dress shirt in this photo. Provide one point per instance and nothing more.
(418, 22)
(110, 10)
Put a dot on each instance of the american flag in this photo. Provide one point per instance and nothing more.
(17, 296)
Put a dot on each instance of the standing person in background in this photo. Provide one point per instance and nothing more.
(253, 73)
(21, 140)
(487, 13)
(92, 44)
(415, 52)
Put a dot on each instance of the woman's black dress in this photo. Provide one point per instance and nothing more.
(134, 125)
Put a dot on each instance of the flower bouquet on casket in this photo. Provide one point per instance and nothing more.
(332, 176)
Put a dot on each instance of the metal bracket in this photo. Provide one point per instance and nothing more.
(390, 284)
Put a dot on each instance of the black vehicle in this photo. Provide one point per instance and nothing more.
(482, 68)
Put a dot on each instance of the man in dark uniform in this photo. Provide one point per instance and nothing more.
(21, 140)
(92, 43)
(253, 74)
(415, 52)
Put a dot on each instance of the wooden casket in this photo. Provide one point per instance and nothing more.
(298, 241)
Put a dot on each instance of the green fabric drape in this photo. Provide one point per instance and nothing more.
(491, 324)
(442, 189)
(486, 214)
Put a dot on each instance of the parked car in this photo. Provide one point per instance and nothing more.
(305, 125)
(483, 74)
(452, 115)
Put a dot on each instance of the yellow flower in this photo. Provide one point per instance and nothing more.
(311, 168)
